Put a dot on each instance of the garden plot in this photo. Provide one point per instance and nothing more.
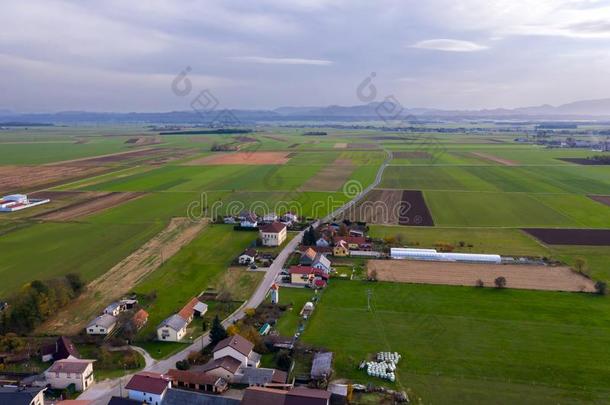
(593, 237)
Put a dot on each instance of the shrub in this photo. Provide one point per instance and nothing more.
(479, 283)
(500, 282)
(601, 288)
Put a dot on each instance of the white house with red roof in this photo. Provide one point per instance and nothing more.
(148, 387)
(273, 234)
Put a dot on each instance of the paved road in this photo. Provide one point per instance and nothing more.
(101, 392)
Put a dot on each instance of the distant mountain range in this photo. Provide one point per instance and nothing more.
(579, 110)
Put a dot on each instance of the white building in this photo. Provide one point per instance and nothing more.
(102, 325)
(238, 348)
(433, 255)
(114, 309)
(70, 371)
(273, 234)
(172, 329)
(16, 202)
(148, 387)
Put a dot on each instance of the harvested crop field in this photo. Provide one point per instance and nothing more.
(242, 158)
(341, 145)
(467, 274)
(494, 159)
(330, 178)
(25, 178)
(378, 207)
(585, 161)
(414, 210)
(144, 140)
(603, 199)
(363, 146)
(412, 155)
(120, 157)
(97, 202)
(592, 237)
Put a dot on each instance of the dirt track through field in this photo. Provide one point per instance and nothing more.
(466, 274)
(495, 159)
(120, 279)
(95, 204)
(242, 158)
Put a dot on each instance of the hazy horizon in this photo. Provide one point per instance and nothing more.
(123, 57)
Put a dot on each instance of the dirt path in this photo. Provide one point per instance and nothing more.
(495, 159)
(120, 279)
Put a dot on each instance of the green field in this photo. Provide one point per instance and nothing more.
(471, 345)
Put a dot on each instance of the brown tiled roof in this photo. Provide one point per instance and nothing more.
(70, 366)
(228, 363)
(140, 318)
(306, 396)
(263, 396)
(65, 349)
(279, 377)
(274, 227)
(237, 342)
(187, 311)
(148, 382)
(192, 377)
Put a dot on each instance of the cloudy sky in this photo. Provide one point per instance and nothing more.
(119, 55)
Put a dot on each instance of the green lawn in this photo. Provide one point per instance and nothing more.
(296, 297)
(471, 345)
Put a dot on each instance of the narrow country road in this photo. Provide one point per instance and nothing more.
(101, 392)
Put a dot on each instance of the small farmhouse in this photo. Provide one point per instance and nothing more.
(70, 371)
(148, 387)
(114, 309)
(273, 234)
(341, 249)
(247, 257)
(62, 348)
(102, 325)
(172, 329)
(198, 381)
(249, 220)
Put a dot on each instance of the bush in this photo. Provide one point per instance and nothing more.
(479, 283)
(183, 365)
(500, 282)
(601, 288)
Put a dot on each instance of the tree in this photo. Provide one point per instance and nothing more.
(76, 283)
(218, 332)
(343, 230)
(601, 288)
(480, 283)
(309, 237)
(580, 265)
(500, 282)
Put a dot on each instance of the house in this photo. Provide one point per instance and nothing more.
(307, 257)
(238, 348)
(306, 275)
(290, 217)
(321, 367)
(62, 348)
(172, 329)
(353, 242)
(270, 217)
(21, 395)
(148, 387)
(295, 396)
(247, 257)
(225, 368)
(139, 319)
(70, 371)
(321, 262)
(323, 242)
(273, 234)
(198, 381)
(114, 309)
(229, 220)
(249, 220)
(129, 303)
(341, 249)
(357, 230)
(102, 325)
(184, 397)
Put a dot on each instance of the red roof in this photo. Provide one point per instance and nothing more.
(237, 342)
(140, 318)
(148, 382)
(187, 311)
(192, 377)
(307, 270)
(274, 227)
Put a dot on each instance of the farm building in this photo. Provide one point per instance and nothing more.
(273, 234)
(433, 255)
(172, 329)
(248, 220)
(62, 348)
(306, 275)
(114, 309)
(371, 254)
(140, 319)
(247, 257)
(17, 202)
(102, 325)
(197, 380)
(295, 396)
(321, 367)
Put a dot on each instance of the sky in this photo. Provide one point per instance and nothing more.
(120, 55)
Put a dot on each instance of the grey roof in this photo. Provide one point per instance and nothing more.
(323, 260)
(176, 322)
(112, 307)
(321, 365)
(18, 395)
(262, 376)
(103, 320)
(181, 397)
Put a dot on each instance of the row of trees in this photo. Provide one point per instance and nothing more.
(37, 301)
